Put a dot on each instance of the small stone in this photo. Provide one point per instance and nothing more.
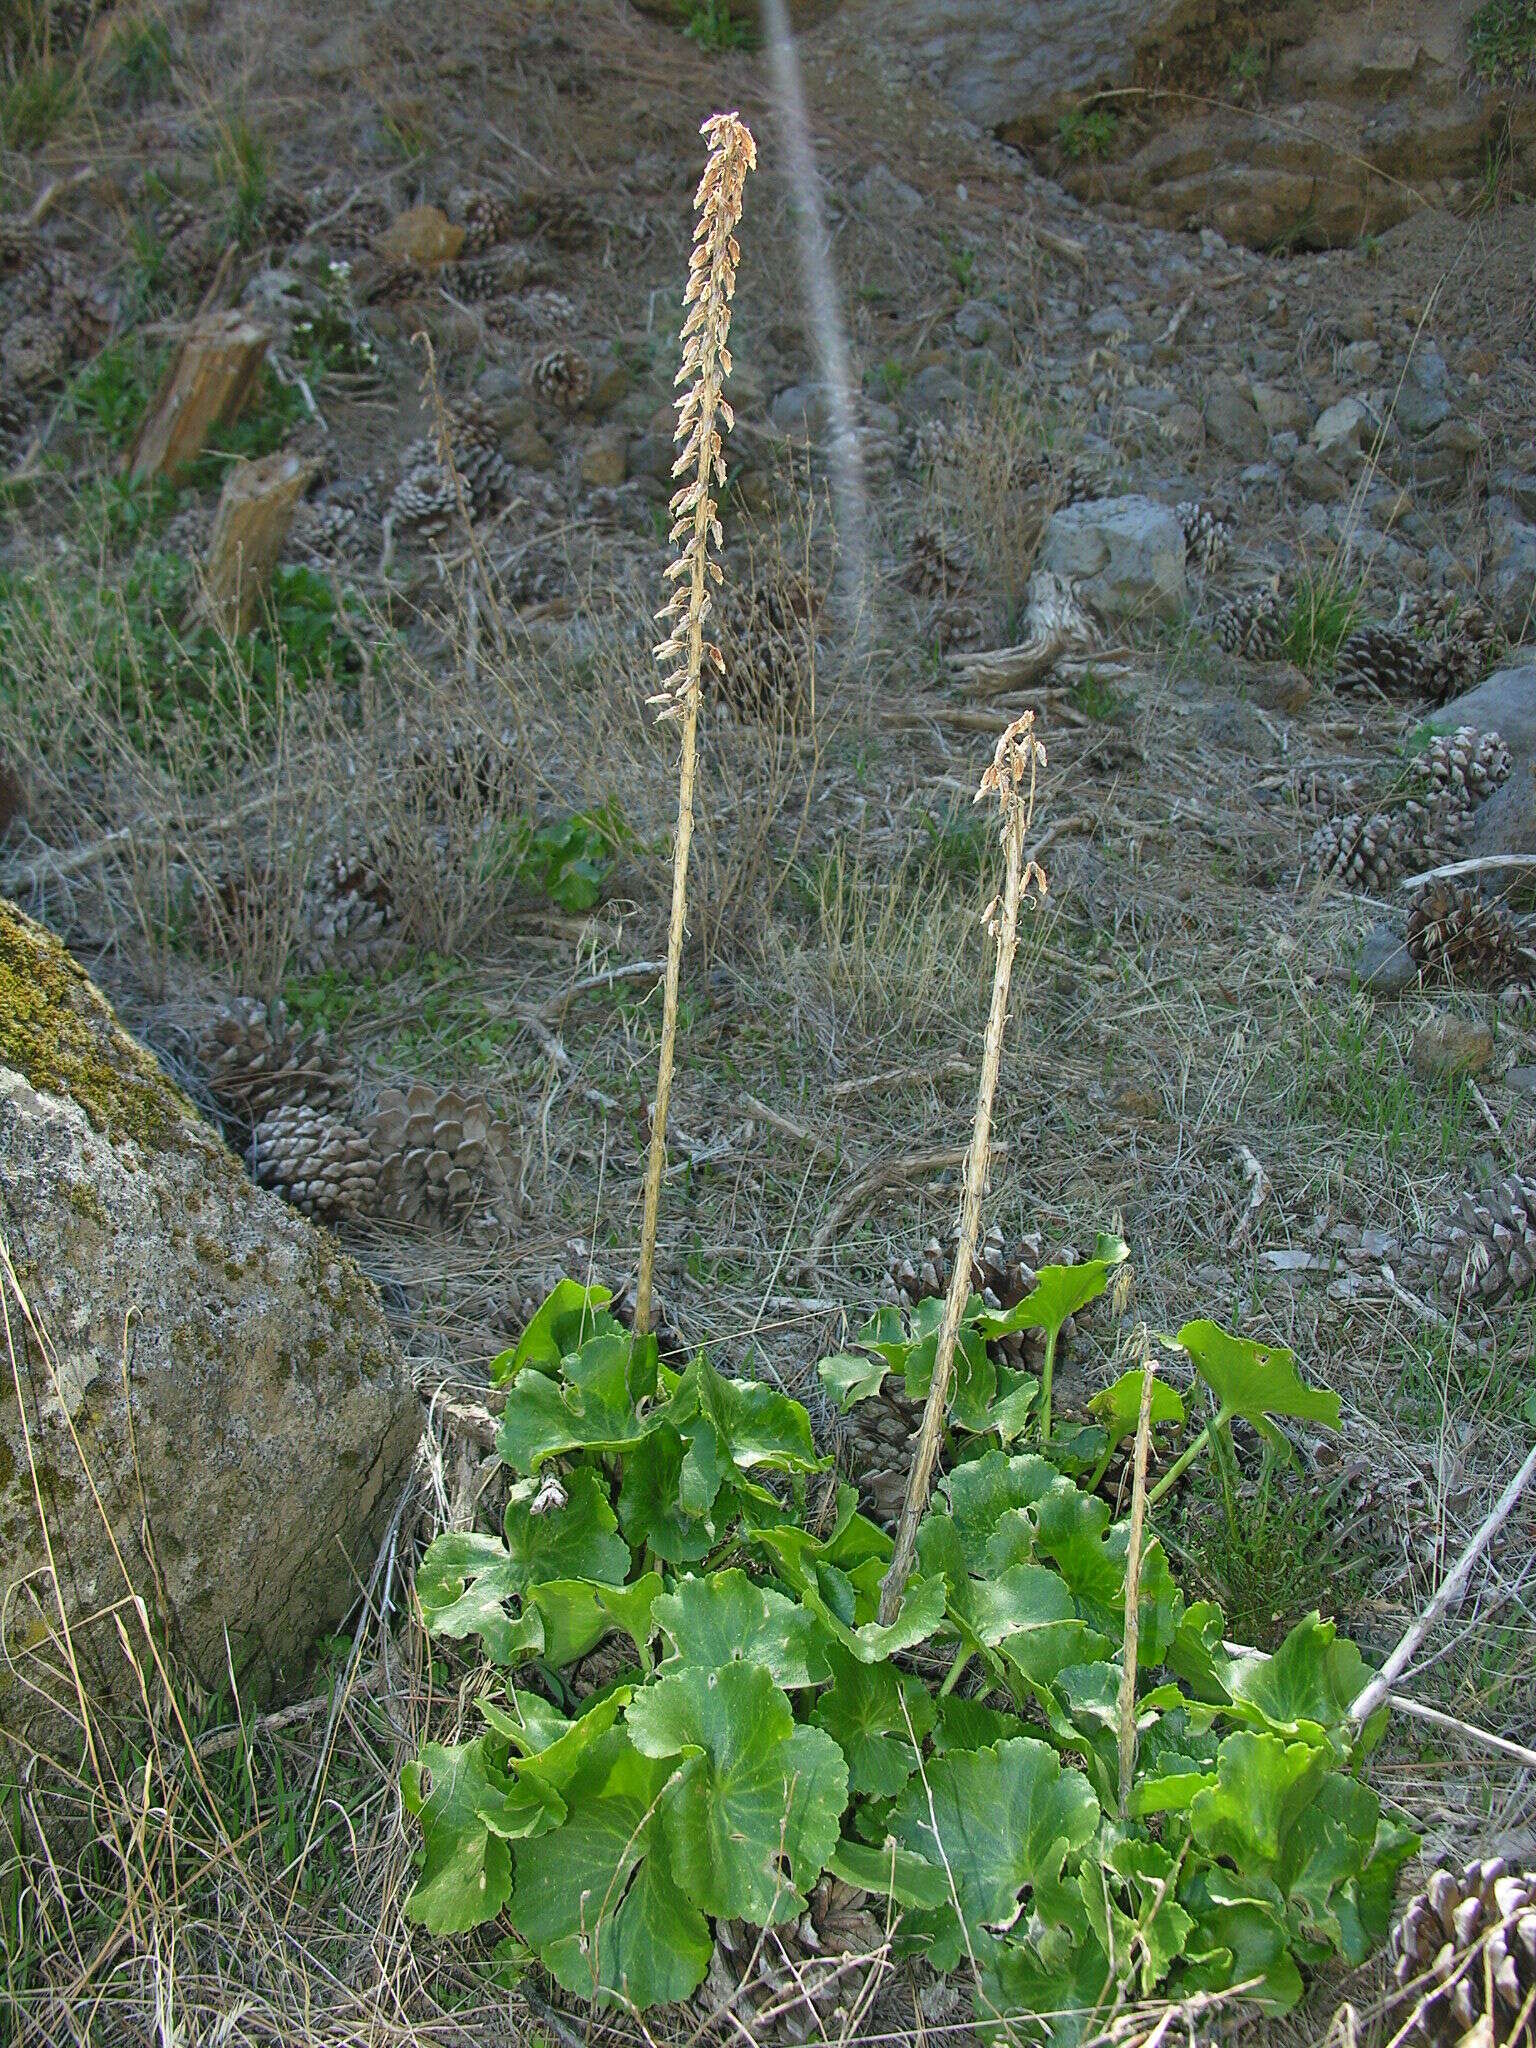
(527, 447)
(1361, 358)
(1282, 411)
(1281, 686)
(1233, 422)
(610, 387)
(423, 235)
(1447, 1045)
(1385, 965)
(1422, 400)
(1339, 432)
(604, 464)
(1123, 556)
(1317, 478)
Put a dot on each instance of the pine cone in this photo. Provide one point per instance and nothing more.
(876, 1439)
(1487, 1251)
(1384, 659)
(488, 220)
(69, 22)
(1324, 793)
(531, 311)
(1252, 626)
(15, 416)
(1207, 538)
(936, 565)
(1369, 853)
(440, 1152)
(799, 1982)
(480, 280)
(284, 218)
(189, 532)
(1466, 765)
(1001, 1275)
(424, 502)
(350, 902)
(1465, 1950)
(561, 378)
(559, 218)
(936, 444)
(257, 1062)
(314, 1160)
(34, 351)
(764, 626)
(1453, 931)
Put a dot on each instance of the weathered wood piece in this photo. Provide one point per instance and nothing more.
(210, 379)
(255, 512)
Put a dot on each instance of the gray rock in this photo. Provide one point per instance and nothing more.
(1512, 569)
(934, 389)
(1282, 411)
(1519, 486)
(1361, 358)
(1504, 702)
(1385, 965)
(263, 1423)
(1232, 420)
(979, 321)
(1338, 434)
(1284, 448)
(802, 411)
(1110, 322)
(882, 192)
(1424, 400)
(1124, 555)
(1316, 478)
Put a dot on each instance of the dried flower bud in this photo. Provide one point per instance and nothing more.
(705, 366)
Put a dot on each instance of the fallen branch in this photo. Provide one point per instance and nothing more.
(1451, 1589)
(1476, 864)
(761, 1113)
(633, 970)
(1006, 668)
(890, 1173)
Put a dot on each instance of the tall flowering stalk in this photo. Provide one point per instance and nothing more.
(695, 514)
(1011, 779)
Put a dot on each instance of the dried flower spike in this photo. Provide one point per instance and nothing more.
(1011, 777)
(696, 524)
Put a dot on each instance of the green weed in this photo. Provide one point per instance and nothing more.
(714, 25)
(138, 61)
(1501, 41)
(111, 394)
(1248, 65)
(1088, 133)
(240, 171)
(1323, 613)
(962, 265)
(1269, 1554)
(36, 103)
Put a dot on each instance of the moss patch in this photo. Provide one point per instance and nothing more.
(59, 1033)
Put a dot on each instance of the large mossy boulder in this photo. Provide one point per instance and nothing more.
(200, 1403)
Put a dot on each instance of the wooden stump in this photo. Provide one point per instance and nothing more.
(209, 381)
(255, 512)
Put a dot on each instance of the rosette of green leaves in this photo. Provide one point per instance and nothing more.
(766, 1731)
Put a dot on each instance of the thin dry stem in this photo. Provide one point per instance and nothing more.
(1011, 778)
(706, 364)
(1133, 1576)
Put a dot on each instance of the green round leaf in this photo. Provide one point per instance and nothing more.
(754, 1813)
(728, 1618)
